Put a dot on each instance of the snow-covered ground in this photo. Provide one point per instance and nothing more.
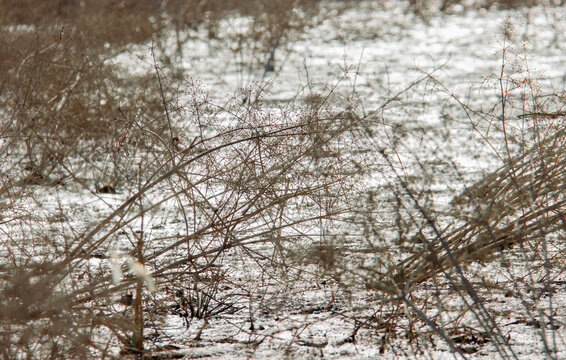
(409, 75)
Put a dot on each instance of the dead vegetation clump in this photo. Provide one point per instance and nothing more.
(440, 274)
(64, 103)
(252, 185)
(515, 205)
(280, 188)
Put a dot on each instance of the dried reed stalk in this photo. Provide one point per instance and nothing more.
(517, 203)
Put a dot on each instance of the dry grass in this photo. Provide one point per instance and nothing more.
(432, 270)
(282, 190)
(519, 203)
(73, 122)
